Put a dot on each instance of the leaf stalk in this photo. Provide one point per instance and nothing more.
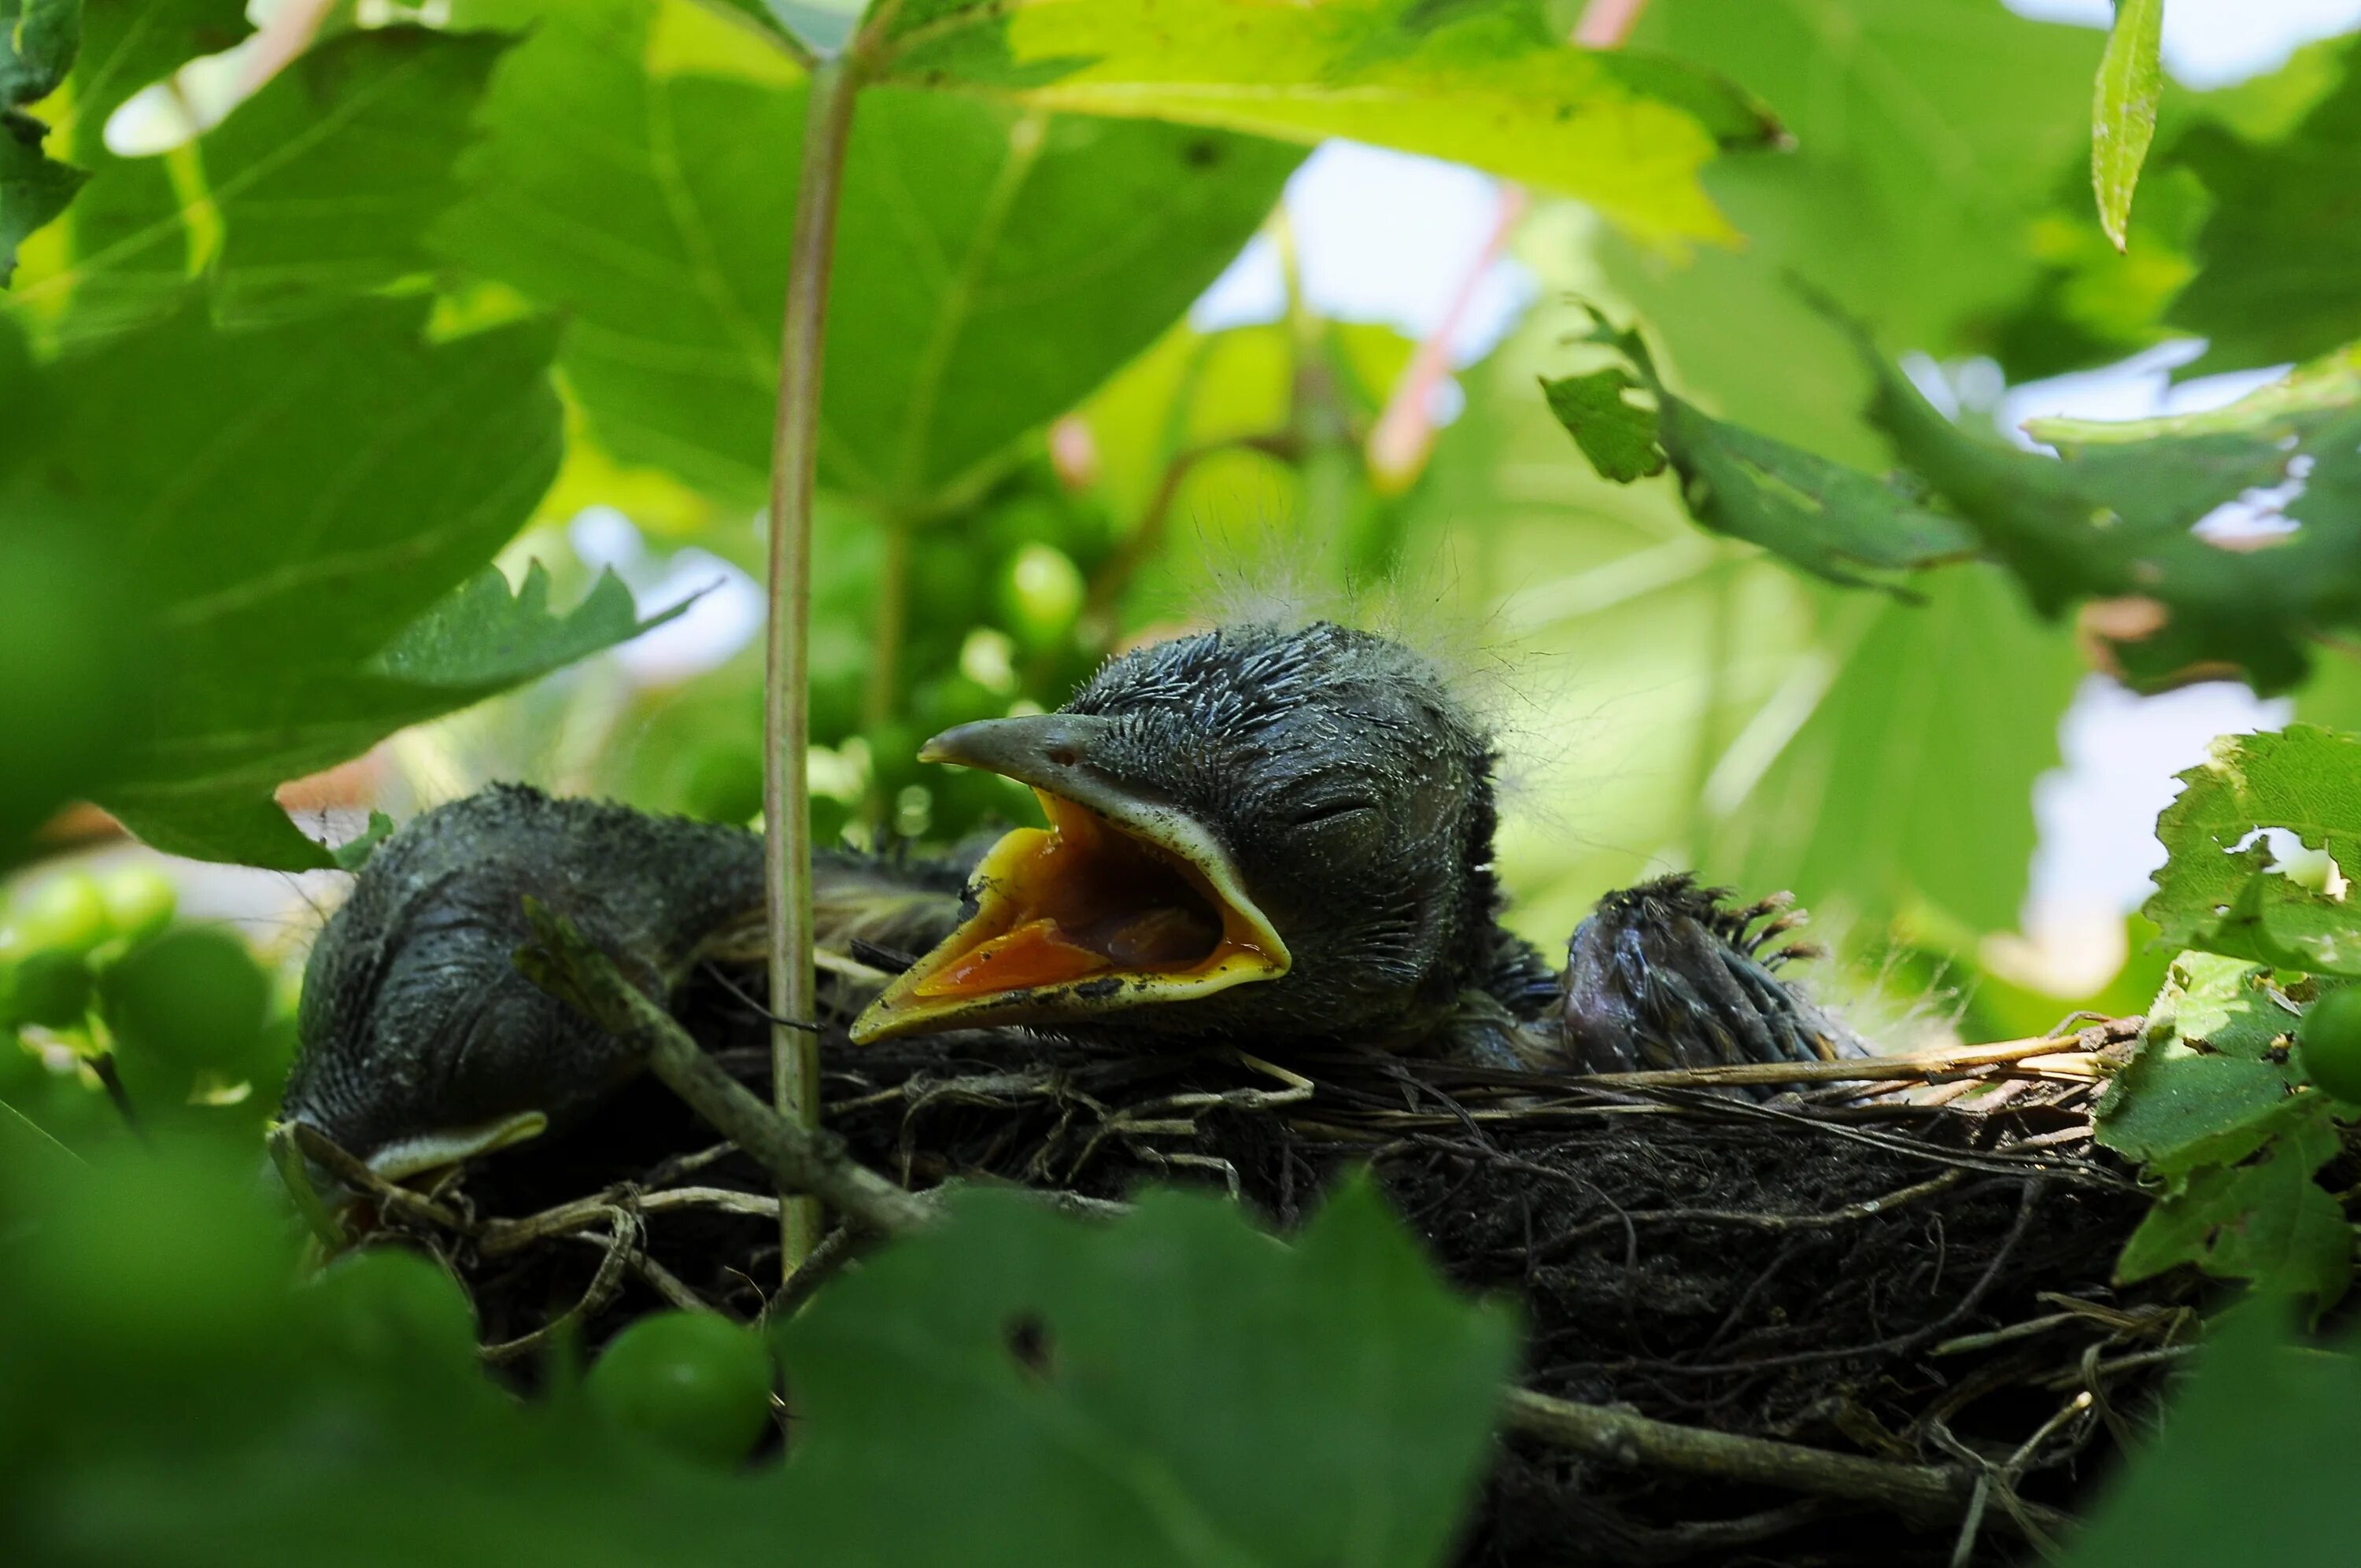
(786, 709)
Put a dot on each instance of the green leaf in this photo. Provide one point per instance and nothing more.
(477, 642)
(33, 189)
(1856, 761)
(354, 853)
(995, 1382)
(1844, 786)
(236, 823)
(281, 525)
(2268, 1222)
(70, 686)
(2123, 111)
(2117, 520)
(2265, 1419)
(1821, 515)
(2092, 303)
(993, 264)
(2212, 1108)
(1929, 133)
(37, 38)
(2210, 1083)
(122, 46)
(480, 639)
(2218, 890)
(2278, 251)
(327, 180)
(1012, 1390)
(1618, 436)
(1491, 83)
(319, 186)
(1831, 520)
(1795, 736)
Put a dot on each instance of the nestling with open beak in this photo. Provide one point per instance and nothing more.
(1279, 838)
(1272, 837)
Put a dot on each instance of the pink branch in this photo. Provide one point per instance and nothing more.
(1607, 22)
(1404, 434)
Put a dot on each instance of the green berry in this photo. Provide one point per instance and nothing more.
(65, 913)
(691, 1382)
(140, 900)
(2328, 1043)
(1041, 591)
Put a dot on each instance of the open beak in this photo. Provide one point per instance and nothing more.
(1123, 901)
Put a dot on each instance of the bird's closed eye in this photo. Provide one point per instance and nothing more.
(1321, 812)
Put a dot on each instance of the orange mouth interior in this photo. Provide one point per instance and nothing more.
(1083, 899)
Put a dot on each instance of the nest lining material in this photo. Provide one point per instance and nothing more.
(1878, 1298)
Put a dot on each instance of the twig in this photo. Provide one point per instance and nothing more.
(1997, 1482)
(2029, 1202)
(831, 89)
(662, 1280)
(1866, 1209)
(285, 32)
(1403, 435)
(316, 1145)
(509, 1236)
(2080, 1376)
(1921, 1493)
(1605, 23)
(1931, 1067)
(804, 1160)
(836, 1249)
(668, 1285)
(621, 1243)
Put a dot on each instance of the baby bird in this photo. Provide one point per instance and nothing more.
(1269, 838)
(1279, 838)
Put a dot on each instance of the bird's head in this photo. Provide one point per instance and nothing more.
(420, 1043)
(1256, 834)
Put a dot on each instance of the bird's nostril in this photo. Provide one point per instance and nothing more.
(1063, 756)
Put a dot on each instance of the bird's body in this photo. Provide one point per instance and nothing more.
(1275, 838)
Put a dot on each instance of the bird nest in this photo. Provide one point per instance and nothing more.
(1867, 1318)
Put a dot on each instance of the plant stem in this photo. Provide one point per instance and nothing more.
(565, 964)
(1918, 1492)
(787, 702)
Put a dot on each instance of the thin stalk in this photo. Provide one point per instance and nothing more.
(786, 703)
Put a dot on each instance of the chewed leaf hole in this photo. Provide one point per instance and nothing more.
(2306, 867)
(2258, 516)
